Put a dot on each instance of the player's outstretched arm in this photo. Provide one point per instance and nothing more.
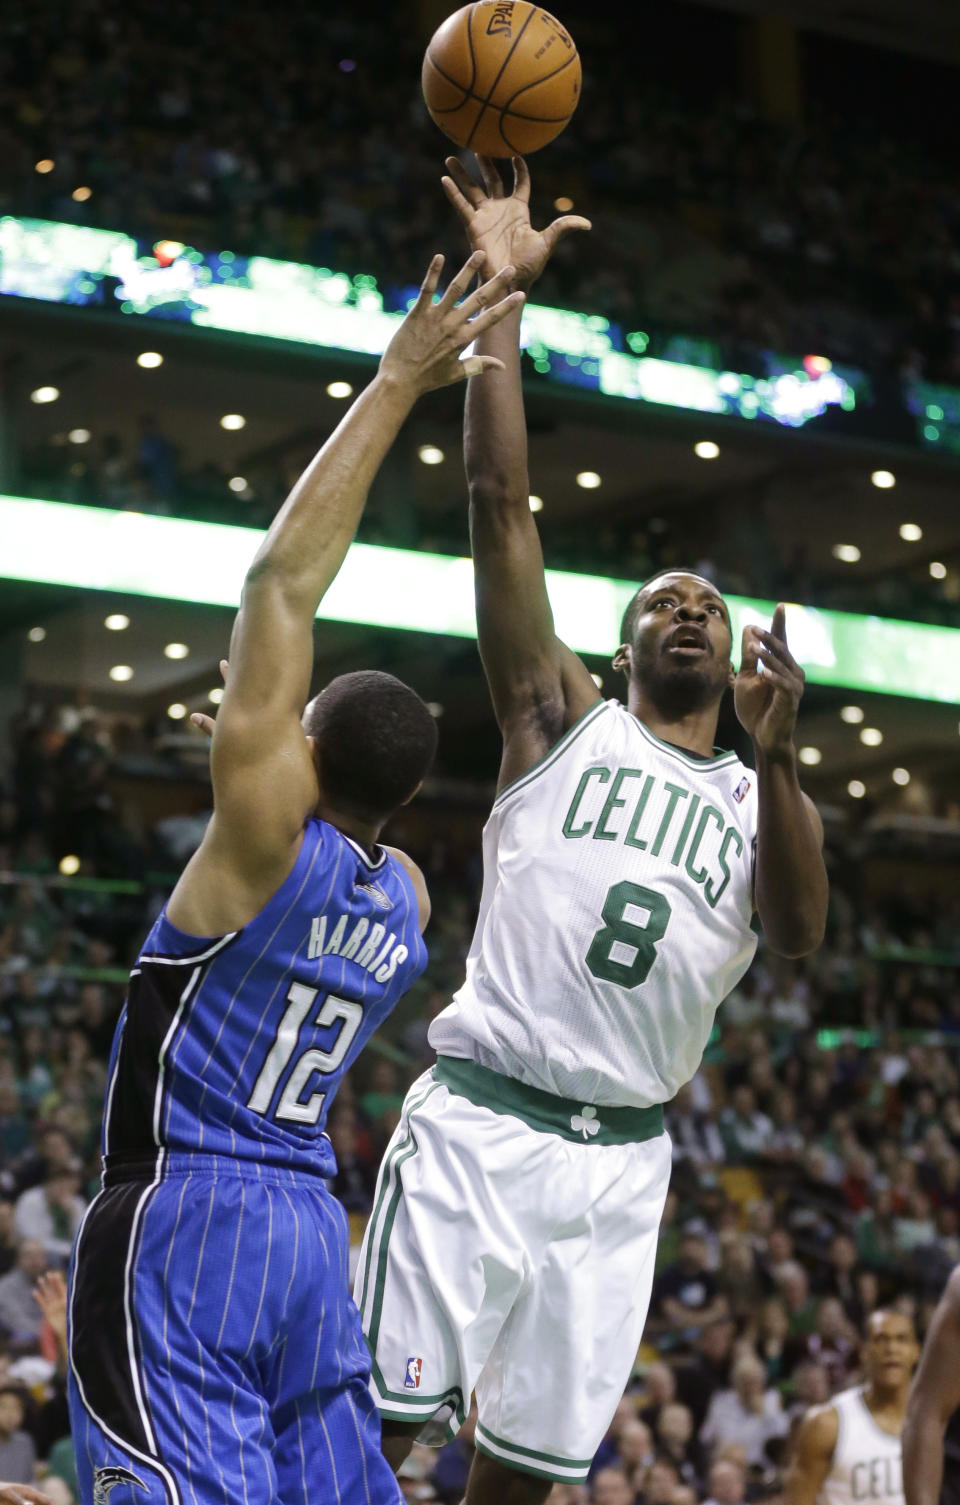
(934, 1396)
(537, 685)
(811, 1456)
(790, 883)
(264, 780)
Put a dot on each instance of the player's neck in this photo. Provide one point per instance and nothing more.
(883, 1402)
(364, 833)
(693, 730)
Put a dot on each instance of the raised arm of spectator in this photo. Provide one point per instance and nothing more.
(934, 1396)
(264, 778)
(811, 1457)
(538, 686)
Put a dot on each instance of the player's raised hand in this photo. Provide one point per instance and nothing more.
(50, 1294)
(205, 723)
(498, 224)
(769, 686)
(22, 1494)
(425, 351)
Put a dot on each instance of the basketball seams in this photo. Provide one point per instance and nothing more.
(473, 55)
(514, 45)
(453, 82)
(505, 108)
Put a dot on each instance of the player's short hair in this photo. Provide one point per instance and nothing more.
(376, 741)
(886, 1311)
(629, 618)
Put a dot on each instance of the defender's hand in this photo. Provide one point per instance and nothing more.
(50, 1294)
(205, 723)
(425, 351)
(499, 225)
(769, 686)
(22, 1494)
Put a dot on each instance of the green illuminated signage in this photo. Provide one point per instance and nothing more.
(140, 554)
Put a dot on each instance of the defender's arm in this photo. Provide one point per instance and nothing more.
(812, 1455)
(934, 1396)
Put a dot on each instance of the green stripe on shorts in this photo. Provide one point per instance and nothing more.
(529, 1461)
(581, 1123)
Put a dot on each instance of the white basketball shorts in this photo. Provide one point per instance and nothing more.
(511, 1252)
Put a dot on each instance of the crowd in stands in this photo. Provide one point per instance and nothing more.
(814, 1178)
(302, 135)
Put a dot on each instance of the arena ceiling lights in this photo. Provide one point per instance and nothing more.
(131, 553)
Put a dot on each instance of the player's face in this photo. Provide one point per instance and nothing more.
(681, 644)
(890, 1349)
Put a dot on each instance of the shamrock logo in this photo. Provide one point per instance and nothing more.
(585, 1122)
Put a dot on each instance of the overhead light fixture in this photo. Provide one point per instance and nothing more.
(117, 621)
(69, 865)
(847, 553)
(856, 789)
(429, 454)
(884, 479)
(81, 194)
(938, 570)
(536, 504)
(237, 483)
(563, 204)
(149, 359)
(121, 673)
(177, 711)
(215, 695)
(45, 165)
(44, 394)
(79, 436)
(435, 708)
(36, 634)
(871, 736)
(810, 755)
(901, 776)
(706, 450)
(598, 680)
(176, 650)
(851, 714)
(339, 389)
(911, 532)
(233, 421)
(588, 479)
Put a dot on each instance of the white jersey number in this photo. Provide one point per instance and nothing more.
(290, 1108)
(625, 948)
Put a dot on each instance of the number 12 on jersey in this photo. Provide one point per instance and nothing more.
(609, 955)
(300, 999)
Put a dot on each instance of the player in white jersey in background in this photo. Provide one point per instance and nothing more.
(851, 1450)
(512, 1243)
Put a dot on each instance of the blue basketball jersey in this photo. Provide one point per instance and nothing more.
(235, 1045)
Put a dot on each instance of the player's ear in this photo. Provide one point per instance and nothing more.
(623, 659)
(413, 794)
(731, 675)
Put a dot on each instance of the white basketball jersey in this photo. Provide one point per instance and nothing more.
(867, 1461)
(615, 916)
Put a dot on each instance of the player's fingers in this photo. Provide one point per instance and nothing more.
(749, 650)
(565, 225)
(429, 284)
(779, 624)
(521, 179)
(779, 650)
(203, 723)
(492, 180)
(458, 285)
(475, 365)
(487, 294)
(22, 1494)
(224, 666)
(492, 316)
(458, 199)
(471, 191)
(777, 675)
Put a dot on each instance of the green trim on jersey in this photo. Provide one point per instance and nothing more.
(722, 759)
(549, 758)
(572, 1119)
(529, 1461)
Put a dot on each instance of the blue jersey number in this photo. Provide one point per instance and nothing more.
(300, 1000)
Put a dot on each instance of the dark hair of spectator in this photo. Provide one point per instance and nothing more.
(376, 741)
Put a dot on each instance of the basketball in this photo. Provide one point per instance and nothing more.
(501, 77)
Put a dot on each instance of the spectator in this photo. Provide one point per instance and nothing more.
(833, 1344)
(747, 1133)
(51, 1214)
(18, 1455)
(686, 1294)
(676, 1442)
(749, 1413)
(726, 1484)
(659, 1389)
(20, 1317)
(611, 1486)
(657, 1482)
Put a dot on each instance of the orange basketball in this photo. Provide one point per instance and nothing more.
(501, 77)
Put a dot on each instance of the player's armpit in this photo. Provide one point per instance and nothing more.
(419, 884)
(811, 1456)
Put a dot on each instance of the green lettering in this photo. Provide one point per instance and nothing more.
(612, 803)
(685, 831)
(676, 793)
(737, 840)
(630, 839)
(603, 774)
(707, 813)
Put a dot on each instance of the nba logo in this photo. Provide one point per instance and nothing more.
(412, 1381)
(740, 792)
